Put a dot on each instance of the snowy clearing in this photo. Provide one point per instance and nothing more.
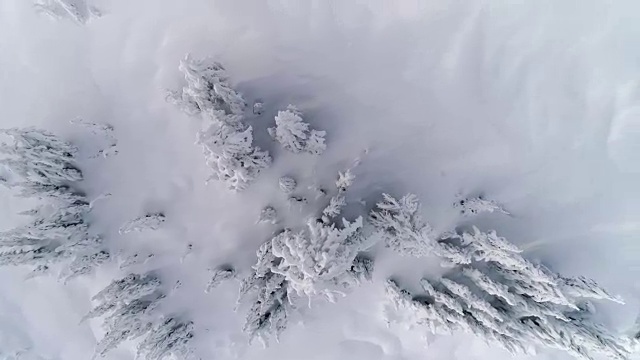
(222, 165)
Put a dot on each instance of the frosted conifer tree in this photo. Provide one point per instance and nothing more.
(130, 309)
(315, 144)
(338, 201)
(290, 130)
(271, 300)
(49, 238)
(218, 276)
(127, 289)
(507, 300)
(207, 90)
(127, 321)
(295, 135)
(142, 223)
(311, 259)
(345, 180)
(319, 259)
(170, 338)
(84, 264)
(231, 156)
(135, 259)
(226, 141)
(37, 158)
(399, 224)
(42, 166)
(287, 184)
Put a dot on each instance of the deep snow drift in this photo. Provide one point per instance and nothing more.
(533, 104)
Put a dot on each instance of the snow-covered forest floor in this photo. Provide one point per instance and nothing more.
(535, 105)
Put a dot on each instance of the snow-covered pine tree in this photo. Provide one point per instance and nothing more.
(127, 321)
(207, 90)
(315, 144)
(125, 290)
(319, 259)
(42, 166)
(399, 224)
(505, 299)
(226, 141)
(152, 221)
(271, 300)
(76, 10)
(130, 309)
(338, 201)
(218, 276)
(231, 156)
(345, 180)
(169, 339)
(287, 184)
(311, 259)
(37, 158)
(134, 259)
(295, 135)
(333, 209)
(84, 264)
(290, 131)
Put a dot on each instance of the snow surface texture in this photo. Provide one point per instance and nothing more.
(533, 104)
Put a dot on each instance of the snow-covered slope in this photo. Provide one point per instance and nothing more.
(533, 104)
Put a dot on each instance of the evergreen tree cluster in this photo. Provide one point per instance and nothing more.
(129, 307)
(492, 291)
(323, 258)
(39, 165)
(226, 139)
(490, 288)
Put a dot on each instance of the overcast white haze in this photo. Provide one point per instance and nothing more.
(535, 104)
